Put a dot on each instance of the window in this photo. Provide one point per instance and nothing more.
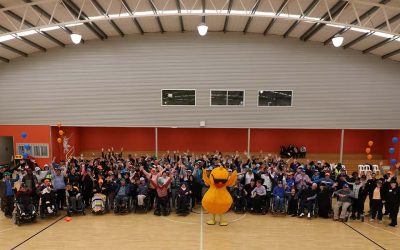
(227, 97)
(275, 98)
(178, 97)
(36, 150)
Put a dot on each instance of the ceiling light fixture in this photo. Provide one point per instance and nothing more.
(337, 41)
(76, 38)
(202, 29)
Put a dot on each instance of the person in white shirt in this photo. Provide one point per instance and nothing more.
(248, 176)
(258, 195)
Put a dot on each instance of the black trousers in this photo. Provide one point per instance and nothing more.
(393, 214)
(162, 203)
(60, 198)
(8, 205)
(152, 194)
(376, 208)
(358, 207)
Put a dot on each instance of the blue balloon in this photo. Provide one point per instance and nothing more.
(391, 151)
(395, 140)
(25, 155)
(27, 146)
(24, 135)
(393, 161)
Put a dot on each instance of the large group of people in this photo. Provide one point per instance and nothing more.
(266, 184)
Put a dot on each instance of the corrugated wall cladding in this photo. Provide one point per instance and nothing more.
(117, 82)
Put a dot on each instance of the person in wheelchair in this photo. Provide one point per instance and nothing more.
(162, 200)
(25, 201)
(99, 199)
(258, 196)
(121, 196)
(74, 198)
(344, 196)
(183, 199)
(48, 198)
(279, 198)
(307, 200)
(142, 192)
(239, 198)
(249, 200)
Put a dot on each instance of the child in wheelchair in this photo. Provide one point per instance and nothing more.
(239, 199)
(24, 209)
(183, 199)
(258, 196)
(74, 200)
(47, 199)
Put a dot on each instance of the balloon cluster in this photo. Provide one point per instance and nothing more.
(368, 150)
(392, 150)
(60, 132)
(27, 146)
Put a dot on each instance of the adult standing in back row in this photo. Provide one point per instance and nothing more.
(393, 201)
(58, 179)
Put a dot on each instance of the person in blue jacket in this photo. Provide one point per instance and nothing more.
(279, 197)
(8, 196)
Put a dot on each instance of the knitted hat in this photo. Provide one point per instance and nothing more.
(7, 174)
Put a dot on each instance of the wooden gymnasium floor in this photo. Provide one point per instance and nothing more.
(147, 231)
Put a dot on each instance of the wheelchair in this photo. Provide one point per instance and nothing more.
(20, 217)
(274, 210)
(313, 211)
(80, 207)
(239, 205)
(145, 208)
(120, 209)
(262, 209)
(49, 207)
(100, 204)
(163, 206)
(183, 205)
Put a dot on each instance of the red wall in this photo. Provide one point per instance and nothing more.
(131, 139)
(73, 133)
(202, 139)
(316, 140)
(356, 141)
(36, 134)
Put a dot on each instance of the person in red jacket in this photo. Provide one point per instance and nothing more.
(162, 195)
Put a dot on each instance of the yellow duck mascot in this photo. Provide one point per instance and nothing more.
(217, 199)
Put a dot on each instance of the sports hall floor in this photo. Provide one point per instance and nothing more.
(245, 231)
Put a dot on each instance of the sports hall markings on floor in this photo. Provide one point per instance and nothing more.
(366, 237)
(62, 217)
(7, 229)
(177, 221)
(382, 229)
(201, 229)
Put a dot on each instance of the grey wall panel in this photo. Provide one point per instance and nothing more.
(117, 83)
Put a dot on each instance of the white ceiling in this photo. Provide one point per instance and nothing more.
(235, 22)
